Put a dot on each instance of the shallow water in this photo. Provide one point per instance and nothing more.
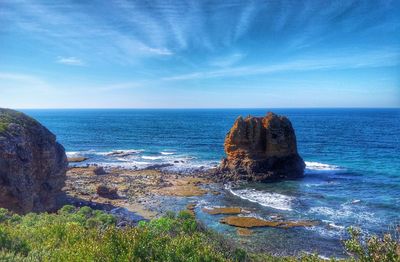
(352, 175)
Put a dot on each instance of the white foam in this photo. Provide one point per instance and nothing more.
(167, 160)
(346, 211)
(273, 200)
(167, 153)
(187, 166)
(117, 152)
(320, 166)
(72, 153)
(152, 157)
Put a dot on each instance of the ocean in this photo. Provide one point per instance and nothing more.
(352, 175)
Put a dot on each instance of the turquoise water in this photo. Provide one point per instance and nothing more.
(352, 156)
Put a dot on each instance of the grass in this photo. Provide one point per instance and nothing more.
(8, 116)
(83, 234)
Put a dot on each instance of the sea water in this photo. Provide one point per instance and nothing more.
(352, 175)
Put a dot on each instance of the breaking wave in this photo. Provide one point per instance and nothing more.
(273, 200)
(137, 159)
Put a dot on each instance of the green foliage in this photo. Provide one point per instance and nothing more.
(90, 235)
(372, 249)
(83, 234)
(8, 116)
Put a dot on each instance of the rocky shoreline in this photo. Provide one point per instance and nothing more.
(135, 195)
(257, 149)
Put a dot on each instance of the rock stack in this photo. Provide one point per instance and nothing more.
(261, 149)
(32, 164)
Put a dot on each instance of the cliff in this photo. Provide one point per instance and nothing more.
(32, 164)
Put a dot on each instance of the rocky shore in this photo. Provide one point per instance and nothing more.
(146, 194)
(34, 173)
(139, 191)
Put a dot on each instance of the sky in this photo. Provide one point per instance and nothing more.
(199, 54)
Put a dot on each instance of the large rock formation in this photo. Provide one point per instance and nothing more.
(32, 164)
(261, 149)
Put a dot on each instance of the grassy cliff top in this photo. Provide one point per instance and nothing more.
(8, 116)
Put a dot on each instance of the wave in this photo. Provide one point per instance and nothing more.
(72, 153)
(346, 212)
(136, 159)
(167, 153)
(321, 166)
(273, 200)
(152, 157)
(121, 152)
(176, 161)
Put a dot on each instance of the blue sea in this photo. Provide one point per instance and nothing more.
(352, 176)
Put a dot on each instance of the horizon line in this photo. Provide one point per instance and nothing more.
(191, 108)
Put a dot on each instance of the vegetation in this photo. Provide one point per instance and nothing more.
(83, 234)
(373, 248)
(8, 116)
(91, 235)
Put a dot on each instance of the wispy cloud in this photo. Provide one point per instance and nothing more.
(371, 59)
(22, 82)
(73, 61)
(227, 61)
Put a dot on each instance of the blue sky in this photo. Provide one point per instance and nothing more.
(199, 53)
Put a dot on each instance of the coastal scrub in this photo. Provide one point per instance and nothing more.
(84, 234)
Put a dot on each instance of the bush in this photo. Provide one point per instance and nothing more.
(373, 248)
(83, 234)
(90, 235)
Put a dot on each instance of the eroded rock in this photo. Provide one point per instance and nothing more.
(223, 210)
(250, 222)
(99, 171)
(261, 149)
(107, 192)
(77, 159)
(244, 232)
(32, 165)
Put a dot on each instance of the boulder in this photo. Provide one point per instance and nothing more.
(77, 159)
(261, 149)
(32, 165)
(107, 192)
(99, 171)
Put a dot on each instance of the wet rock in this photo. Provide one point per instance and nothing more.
(261, 149)
(106, 192)
(191, 208)
(99, 171)
(32, 165)
(77, 159)
(223, 210)
(182, 191)
(249, 222)
(158, 166)
(244, 232)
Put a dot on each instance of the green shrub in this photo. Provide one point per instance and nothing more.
(373, 248)
(83, 234)
(90, 235)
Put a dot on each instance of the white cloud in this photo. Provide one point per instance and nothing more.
(227, 61)
(157, 51)
(73, 61)
(366, 60)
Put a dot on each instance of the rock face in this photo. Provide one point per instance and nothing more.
(32, 164)
(261, 149)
